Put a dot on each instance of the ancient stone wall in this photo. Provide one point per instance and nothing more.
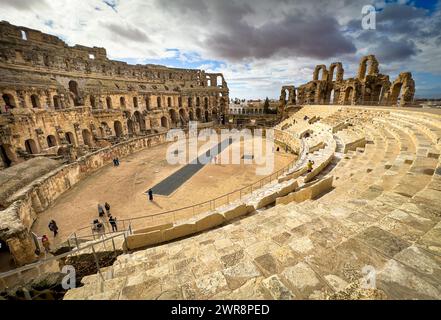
(370, 87)
(55, 98)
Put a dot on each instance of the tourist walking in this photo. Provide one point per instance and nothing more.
(100, 210)
(107, 207)
(112, 222)
(150, 194)
(46, 243)
(53, 227)
(309, 165)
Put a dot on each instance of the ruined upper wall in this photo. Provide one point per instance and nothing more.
(24, 46)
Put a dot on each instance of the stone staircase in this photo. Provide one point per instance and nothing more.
(381, 220)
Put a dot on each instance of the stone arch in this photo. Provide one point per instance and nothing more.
(135, 102)
(318, 68)
(122, 102)
(349, 93)
(70, 138)
(395, 92)
(9, 100)
(130, 126)
(140, 120)
(189, 102)
(206, 116)
(87, 137)
(198, 101)
(182, 116)
(109, 103)
(173, 116)
(92, 101)
(57, 102)
(31, 146)
(340, 71)
(51, 141)
(191, 115)
(372, 69)
(35, 101)
(164, 122)
(169, 102)
(214, 113)
(117, 126)
(179, 102)
(206, 104)
(198, 114)
(73, 88)
(158, 102)
(6, 155)
(147, 103)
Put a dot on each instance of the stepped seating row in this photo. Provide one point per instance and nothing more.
(383, 216)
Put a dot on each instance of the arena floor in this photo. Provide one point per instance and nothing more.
(124, 189)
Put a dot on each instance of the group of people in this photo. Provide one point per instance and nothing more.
(115, 162)
(112, 221)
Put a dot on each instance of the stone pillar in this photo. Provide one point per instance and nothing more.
(22, 248)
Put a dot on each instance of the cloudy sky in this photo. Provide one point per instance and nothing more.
(259, 45)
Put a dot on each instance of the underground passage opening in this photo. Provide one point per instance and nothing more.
(6, 260)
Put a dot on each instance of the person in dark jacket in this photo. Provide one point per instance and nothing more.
(112, 222)
(107, 207)
(150, 194)
(53, 227)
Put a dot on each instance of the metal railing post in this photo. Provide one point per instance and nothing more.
(97, 262)
(76, 240)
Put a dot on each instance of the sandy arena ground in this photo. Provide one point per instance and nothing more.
(124, 189)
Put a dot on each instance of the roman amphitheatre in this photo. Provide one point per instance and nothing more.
(362, 223)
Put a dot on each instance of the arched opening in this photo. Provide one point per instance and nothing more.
(169, 102)
(122, 102)
(135, 102)
(92, 102)
(87, 137)
(198, 102)
(51, 141)
(206, 103)
(117, 126)
(180, 102)
(396, 93)
(6, 155)
(31, 146)
(164, 122)
(158, 102)
(182, 116)
(57, 102)
(73, 87)
(207, 116)
(191, 115)
(198, 114)
(35, 100)
(69, 138)
(130, 127)
(376, 94)
(348, 96)
(9, 101)
(6, 258)
(214, 114)
(219, 82)
(190, 102)
(173, 116)
(140, 120)
(332, 97)
(147, 103)
(109, 103)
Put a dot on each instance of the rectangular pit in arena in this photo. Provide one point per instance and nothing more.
(170, 184)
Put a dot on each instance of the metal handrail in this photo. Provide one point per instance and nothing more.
(226, 195)
(58, 257)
